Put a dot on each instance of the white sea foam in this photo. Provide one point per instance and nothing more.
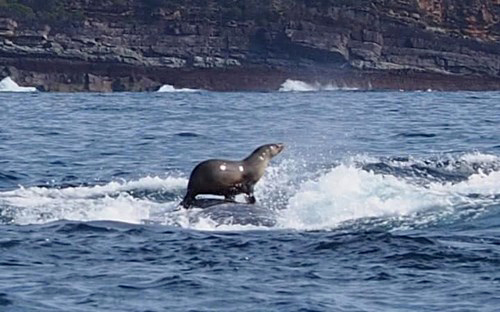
(305, 200)
(170, 88)
(291, 85)
(480, 158)
(112, 201)
(485, 184)
(349, 193)
(327, 199)
(9, 85)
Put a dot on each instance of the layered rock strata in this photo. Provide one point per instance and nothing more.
(129, 45)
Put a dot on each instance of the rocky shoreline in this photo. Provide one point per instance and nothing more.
(125, 45)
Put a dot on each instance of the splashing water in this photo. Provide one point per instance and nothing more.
(350, 193)
(9, 85)
(131, 201)
(170, 88)
(300, 86)
(302, 200)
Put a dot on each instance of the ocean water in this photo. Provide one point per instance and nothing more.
(381, 201)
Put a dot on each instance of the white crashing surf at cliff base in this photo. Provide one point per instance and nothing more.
(9, 85)
(170, 88)
(301, 86)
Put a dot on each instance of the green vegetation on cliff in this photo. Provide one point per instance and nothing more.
(46, 11)
(52, 11)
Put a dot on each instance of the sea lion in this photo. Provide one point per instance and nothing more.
(230, 178)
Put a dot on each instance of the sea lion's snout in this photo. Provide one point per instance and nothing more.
(276, 148)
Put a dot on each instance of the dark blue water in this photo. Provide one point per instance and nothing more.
(381, 201)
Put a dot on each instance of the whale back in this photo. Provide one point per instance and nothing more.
(230, 213)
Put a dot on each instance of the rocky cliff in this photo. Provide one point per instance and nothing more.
(119, 45)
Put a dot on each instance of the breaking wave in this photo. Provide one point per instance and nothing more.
(9, 85)
(170, 88)
(347, 193)
(300, 86)
(126, 201)
(396, 193)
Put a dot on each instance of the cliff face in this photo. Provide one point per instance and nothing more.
(232, 45)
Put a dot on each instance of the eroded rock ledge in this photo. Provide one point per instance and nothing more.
(127, 45)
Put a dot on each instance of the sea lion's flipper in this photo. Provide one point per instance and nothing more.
(187, 202)
(250, 198)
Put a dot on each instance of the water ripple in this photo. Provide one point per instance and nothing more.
(383, 201)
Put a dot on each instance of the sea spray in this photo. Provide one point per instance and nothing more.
(291, 85)
(325, 198)
(126, 201)
(9, 85)
(349, 192)
(169, 88)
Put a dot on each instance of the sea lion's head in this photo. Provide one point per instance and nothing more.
(268, 151)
